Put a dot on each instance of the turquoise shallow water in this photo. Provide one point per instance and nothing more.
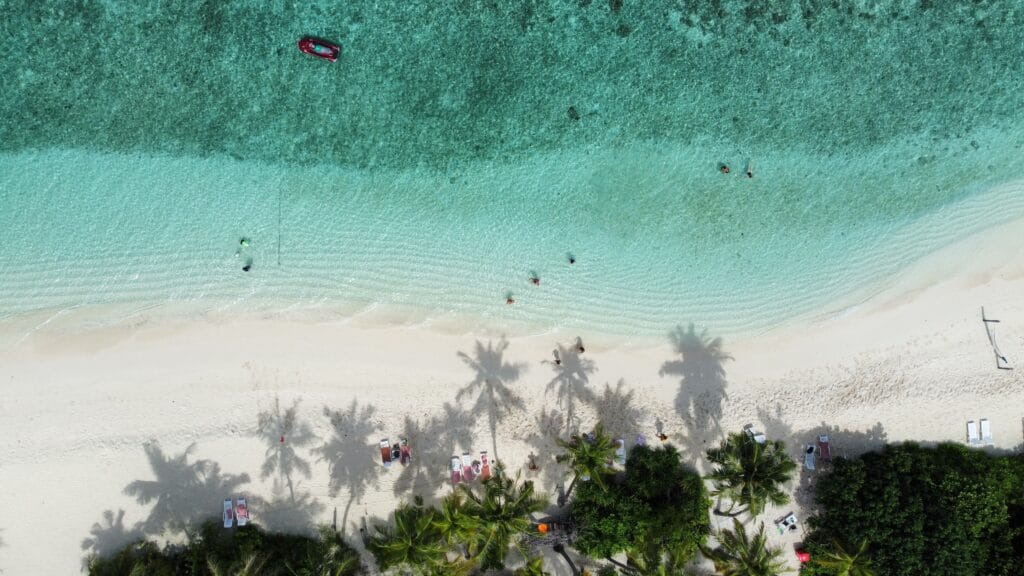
(438, 164)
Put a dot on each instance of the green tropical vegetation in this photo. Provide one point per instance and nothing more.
(588, 457)
(840, 561)
(499, 512)
(740, 553)
(474, 527)
(657, 508)
(412, 541)
(943, 511)
(534, 567)
(749, 475)
(244, 551)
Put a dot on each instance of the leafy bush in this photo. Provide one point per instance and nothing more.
(213, 546)
(944, 511)
(658, 502)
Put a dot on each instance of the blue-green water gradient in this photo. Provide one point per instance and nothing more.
(459, 146)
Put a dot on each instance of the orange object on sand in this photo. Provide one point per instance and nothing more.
(542, 528)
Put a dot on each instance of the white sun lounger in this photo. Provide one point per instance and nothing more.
(229, 514)
(973, 439)
(241, 511)
(986, 433)
(456, 470)
(809, 456)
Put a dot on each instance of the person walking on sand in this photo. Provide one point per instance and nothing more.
(558, 361)
(579, 345)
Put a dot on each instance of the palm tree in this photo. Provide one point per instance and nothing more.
(499, 514)
(647, 558)
(842, 563)
(452, 523)
(534, 567)
(414, 541)
(740, 554)
(332, 557)
(588, 458)
(251, 565)
(750, 473)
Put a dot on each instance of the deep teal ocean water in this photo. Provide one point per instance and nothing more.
(459, 146)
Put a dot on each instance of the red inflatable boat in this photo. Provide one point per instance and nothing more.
(319, 48)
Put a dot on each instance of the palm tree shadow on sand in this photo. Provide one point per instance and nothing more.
(571, 383)
(433, 443)
(290, 509)
(350, 451)
(282, 432)
(701, 388)
(616, 410)
(183, 492)
(549, 427)
(491, 384)
(110, 535)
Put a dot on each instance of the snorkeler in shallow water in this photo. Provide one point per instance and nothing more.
(248, 265)
(750, 169)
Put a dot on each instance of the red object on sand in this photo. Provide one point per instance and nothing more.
(803, 556)
(320, 48)
(485, 465)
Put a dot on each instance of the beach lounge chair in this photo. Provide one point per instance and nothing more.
(824, 451)
(241, 511)
(467, 467)
(809, 456)
(786, 524)
(229, 515)
(385, 453)
(406, 452)
(456, 470)
(973, 439)
(620, 451)
(986, 433)
(485, 465)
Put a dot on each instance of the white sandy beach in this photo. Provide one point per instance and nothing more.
(80, 403)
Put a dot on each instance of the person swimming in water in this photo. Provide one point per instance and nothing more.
(510, 300)
(750, 169)
(248, 265)
(535, 279)
(572, 259)
(724, 168)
